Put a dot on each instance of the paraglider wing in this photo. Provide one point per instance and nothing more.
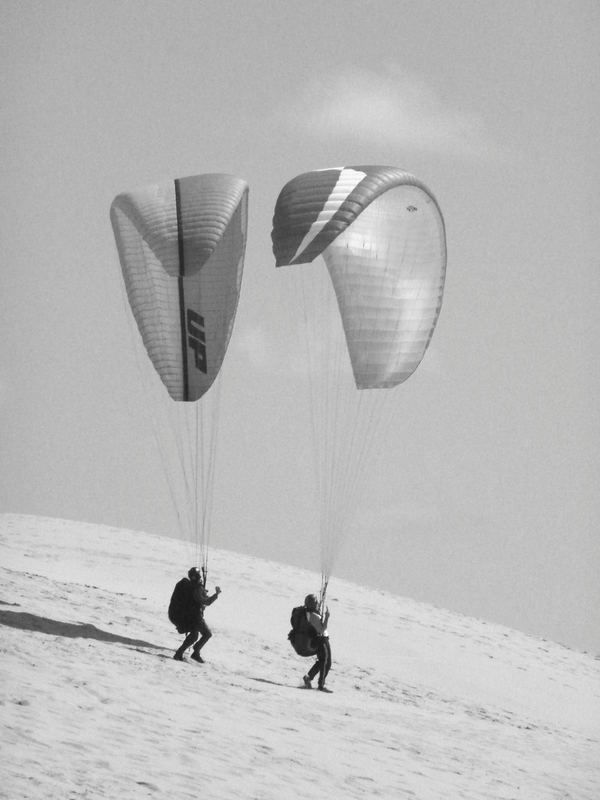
(368, 315)
(381, 234)
(181, 247)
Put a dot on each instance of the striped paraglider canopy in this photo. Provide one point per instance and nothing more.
(369, 313)
(181, 246)
(381, 234)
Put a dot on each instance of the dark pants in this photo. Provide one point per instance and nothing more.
(200, 629)
(323, 663)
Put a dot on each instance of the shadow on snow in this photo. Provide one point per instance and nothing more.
(53, 627)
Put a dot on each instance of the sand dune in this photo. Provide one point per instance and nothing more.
(427, 704)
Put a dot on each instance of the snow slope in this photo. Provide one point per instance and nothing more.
(427, 704)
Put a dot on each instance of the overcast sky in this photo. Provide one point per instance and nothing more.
(486, 500)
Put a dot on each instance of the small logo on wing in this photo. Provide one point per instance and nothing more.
(197, 339)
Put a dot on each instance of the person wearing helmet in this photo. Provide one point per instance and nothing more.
(318, 622)
(199, 599)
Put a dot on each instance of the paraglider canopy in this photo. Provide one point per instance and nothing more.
(381, 234)
(181, 246)
(368, 317)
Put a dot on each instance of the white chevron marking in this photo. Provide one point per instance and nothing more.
(347, 180)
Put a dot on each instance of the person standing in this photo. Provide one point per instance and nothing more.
(196, 624)
(318, 623)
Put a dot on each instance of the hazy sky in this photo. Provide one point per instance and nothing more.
(486, 500)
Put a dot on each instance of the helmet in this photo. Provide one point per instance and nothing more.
(311, 602)
(194, 574)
